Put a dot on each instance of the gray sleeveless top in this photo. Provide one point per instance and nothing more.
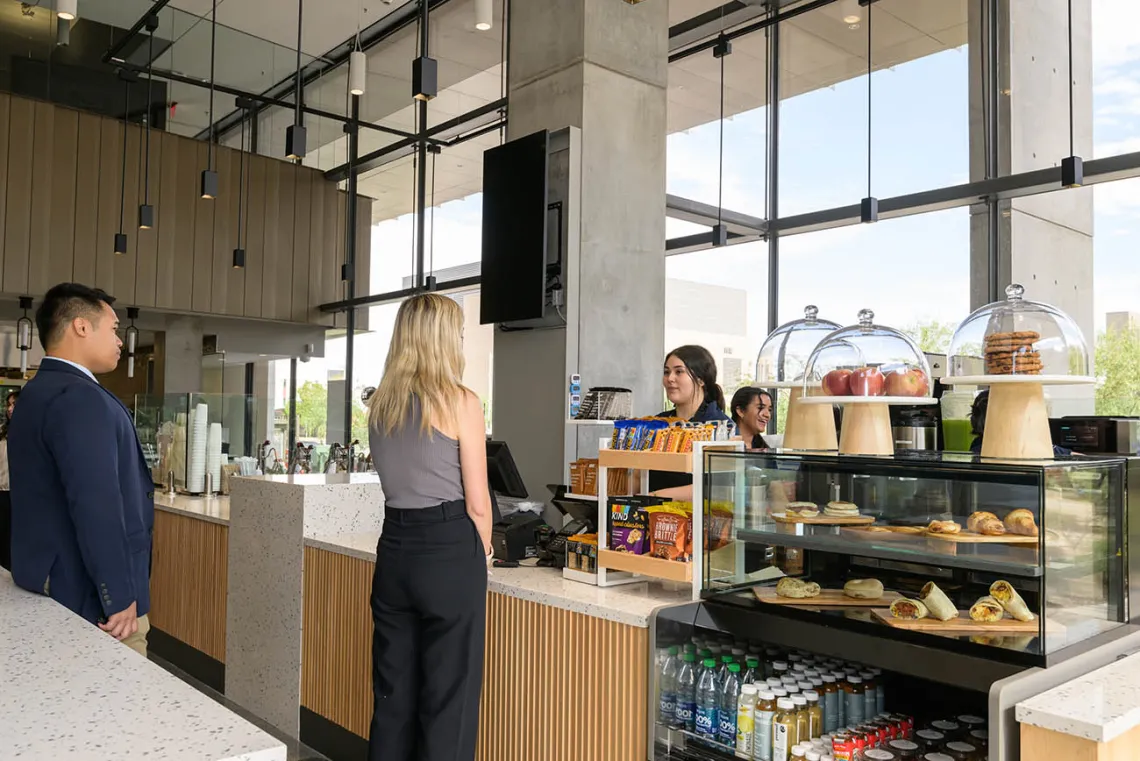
(417, 469)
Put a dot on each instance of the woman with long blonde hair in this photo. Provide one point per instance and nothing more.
(429, 590)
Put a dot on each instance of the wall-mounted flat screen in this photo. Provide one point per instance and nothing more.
(514, 230)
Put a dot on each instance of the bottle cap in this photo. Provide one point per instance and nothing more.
(785, 704)
(855, 680)
(829, 679)
(799, 700)
(752, 662)
(866, 675)
(773, 682)
(709, 663)
(766, 695)
(780, 665)
(816, 683)
(811, 695)
(726, 659)
(839, 676)
(734, 668)
(689, 657)
(803, 686)
(961, 747)
(812, 755)
(738, 651)
(748, 689)
(779, 692)
(673, 650)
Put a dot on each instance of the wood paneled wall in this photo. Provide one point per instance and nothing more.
(557, 685)
(188, 579)
(60, 174)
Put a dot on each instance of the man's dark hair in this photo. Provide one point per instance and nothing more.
(64, 303)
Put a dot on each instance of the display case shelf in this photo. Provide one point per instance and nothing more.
(832, 539)
(672, 462)
(646, 565)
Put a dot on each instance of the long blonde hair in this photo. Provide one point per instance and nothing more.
(425, 360)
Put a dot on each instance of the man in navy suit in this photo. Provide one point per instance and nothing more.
(82, 495)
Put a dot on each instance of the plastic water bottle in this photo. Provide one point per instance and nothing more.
(752, 672)
(667, 689)
(745, 721)
(722, 669)
(708, 702)
(729, 704)
(686, 693)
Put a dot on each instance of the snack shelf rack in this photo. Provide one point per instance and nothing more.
(615, 568)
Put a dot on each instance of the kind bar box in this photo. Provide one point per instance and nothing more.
(629, 523)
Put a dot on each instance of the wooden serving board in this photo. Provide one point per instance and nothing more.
(825, 598)
(970, 537)
(823, 520)
(963, 623)
(887, 536)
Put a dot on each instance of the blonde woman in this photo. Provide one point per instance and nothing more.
(429, 590)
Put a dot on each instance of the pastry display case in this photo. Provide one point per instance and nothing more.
(782, 364)
(951, 586)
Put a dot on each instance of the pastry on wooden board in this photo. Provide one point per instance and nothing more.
(796, 589)
(863, 589)
(943, 527)
(1021, 522)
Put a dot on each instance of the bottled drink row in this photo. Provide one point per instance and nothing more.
(770, 705)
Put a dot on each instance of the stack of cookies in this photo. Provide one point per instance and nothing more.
(1013, 353)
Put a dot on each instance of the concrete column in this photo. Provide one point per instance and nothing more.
(1045, 241)
(601, 66)
(182, 355)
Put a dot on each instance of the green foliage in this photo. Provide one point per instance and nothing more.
(1118, 372)
(312, 410)
(932, 337)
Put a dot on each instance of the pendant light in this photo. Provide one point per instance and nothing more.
(295, 133)
(24, 333)
(869, 206)
(484, 15)
(132, 334)
(120, 236)
(1073, 166)
(357, 64)
(239, 252)
(425, 69)
(722, 50)
(67, 9)
(209, 175)
(146, 211)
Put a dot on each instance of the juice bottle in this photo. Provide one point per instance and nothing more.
(815, 714)
(841, 701)
(783, 730)
(762, 720)
(853, 693)
(870, 694)
(830, 709)
(802, 720)
(745, 721)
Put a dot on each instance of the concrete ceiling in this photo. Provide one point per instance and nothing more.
(255, 40)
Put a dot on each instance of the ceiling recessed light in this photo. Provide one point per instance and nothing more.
(852, 19)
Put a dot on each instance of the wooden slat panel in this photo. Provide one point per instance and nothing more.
(190, 208)
(338, 319)
(146, 247)
(107, 191)
(301, 243)
(88, 199)
(168, 211)
(363, 255)
(204, 210)
(336, 644)
(329, 266)
(65, 179)
(317, 250)
(225, 208)
(271, 234)
(126, 265)
(188, 579)
(18, 216)
(43, 212)
(235, 279)
(255, 266)
(286, 205)
(593, 709)
(5, 110)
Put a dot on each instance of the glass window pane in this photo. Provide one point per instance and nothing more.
(1116, 77)
(1116, 297)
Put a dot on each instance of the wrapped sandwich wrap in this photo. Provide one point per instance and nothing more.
(937, 602)
(986, 610)
(1011, 601)
(908, 610)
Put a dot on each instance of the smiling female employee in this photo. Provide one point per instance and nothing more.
(751, 410)
(689, 379)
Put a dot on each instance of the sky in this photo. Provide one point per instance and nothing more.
(907, 270)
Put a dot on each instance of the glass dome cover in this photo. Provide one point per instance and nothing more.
(785, 353)
(870, 361)
(1018, 337)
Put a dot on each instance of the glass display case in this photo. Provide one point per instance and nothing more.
(867, 361)
(946, 530)
(783, 357)
(192, 435)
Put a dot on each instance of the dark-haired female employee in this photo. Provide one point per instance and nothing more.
(751, 410)
(689, 379)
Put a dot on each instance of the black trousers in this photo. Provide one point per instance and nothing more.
(6, 530)
(429, 603)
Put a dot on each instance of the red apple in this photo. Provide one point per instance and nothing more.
(866, 381)
(907, 382)
(835, 383)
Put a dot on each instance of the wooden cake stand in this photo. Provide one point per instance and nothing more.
(866, 420)
(1017, 421)
(807, 427)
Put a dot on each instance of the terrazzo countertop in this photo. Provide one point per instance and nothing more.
(72, 692)
(1099, 706)
(630, 604)
(213, 509)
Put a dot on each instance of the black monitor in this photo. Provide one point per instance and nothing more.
(502, 474)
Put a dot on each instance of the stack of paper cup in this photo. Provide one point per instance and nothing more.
(196, 468)
(214, 455)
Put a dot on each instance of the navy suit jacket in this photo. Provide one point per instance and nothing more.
(82, 495)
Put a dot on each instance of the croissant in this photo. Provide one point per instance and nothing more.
(1021, 522)
(976, 518)
(990, 527)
